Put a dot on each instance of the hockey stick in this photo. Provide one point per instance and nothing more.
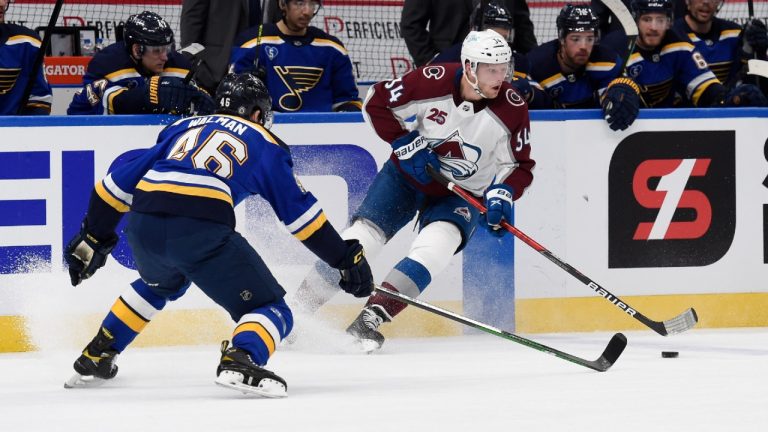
(609, 356)
(621, 13)
(193, 53)
(40, 57)
(678, 324)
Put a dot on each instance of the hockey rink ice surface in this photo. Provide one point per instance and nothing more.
(469, 383)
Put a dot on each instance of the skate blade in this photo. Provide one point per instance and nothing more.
(368, 346)
(83, 381)
(267, 388)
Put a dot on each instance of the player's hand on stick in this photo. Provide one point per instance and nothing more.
(170, 95)
(415, 155)
(356, 277)
(498, 204)
(621, 103)
(745, 95)
(756, 38)
(85, 254)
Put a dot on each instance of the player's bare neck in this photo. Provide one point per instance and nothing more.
(698, 27)
(290, 30)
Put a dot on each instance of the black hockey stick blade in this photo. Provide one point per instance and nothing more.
(611, 353)
(678, 324)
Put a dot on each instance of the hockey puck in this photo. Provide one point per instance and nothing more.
(670, 354)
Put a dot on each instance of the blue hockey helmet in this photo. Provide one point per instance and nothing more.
(147, 29)
(241, 95)
(577, 18)
(316, 4)
(642, 7)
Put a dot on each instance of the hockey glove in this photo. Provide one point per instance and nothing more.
(498, 205)
(756, 38)
(356, 277)
(414, 154)
(169, 95)
(745, 95)
(523, 86)
(85, 254)
(202, 104)
(621, 103)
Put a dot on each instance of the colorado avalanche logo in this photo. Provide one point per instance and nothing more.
(457, 156)
(434, 72)
(514, 98)
(271, 52)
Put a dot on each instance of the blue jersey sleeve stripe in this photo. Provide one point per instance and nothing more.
(184, 190)
(305, 218)
(117, 191)
(108, 198)
(311, 228)
(185, 179)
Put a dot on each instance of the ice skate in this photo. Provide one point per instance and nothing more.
(365, 327)
(237, 371)
(96, 364)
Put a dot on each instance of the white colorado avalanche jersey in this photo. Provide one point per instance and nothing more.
(478, 144)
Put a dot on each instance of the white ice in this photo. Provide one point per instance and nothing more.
(468, 383)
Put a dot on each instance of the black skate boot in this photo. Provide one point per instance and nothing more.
(237, 371)
(365, 327)
(96, 364)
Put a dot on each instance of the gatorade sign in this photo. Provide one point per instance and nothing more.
(66, 70)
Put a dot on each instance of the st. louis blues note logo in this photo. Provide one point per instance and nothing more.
(457, 156)
(297, 80)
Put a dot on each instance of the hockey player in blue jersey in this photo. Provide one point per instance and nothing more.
(142, 74)
(496, 17)
(304, 68)
(721, 42)
(181, 195)
(19, 47)
(670, 71)
(578, 72)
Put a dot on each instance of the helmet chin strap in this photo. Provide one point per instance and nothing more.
(475, 85)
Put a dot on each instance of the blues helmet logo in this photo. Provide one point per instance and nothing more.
(457, 156)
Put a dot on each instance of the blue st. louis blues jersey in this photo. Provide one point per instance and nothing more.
(202, 167)
(673, 74)
(112, 72)
(581, 89)
(19, 47)
(721, 46)
(304, 73)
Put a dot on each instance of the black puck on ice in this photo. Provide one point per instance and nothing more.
(670, 354)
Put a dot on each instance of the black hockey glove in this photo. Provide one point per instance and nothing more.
(621, 103)
(523, 86)
(356, 277)
(169, 95)
(756, 38)
(85, 254)
(745, 95)
(202, 104)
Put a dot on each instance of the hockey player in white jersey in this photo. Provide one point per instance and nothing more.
(472, 126)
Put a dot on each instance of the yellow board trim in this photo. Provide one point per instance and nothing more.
(582, 314)
(184, 190)
(128, 317)
(259, 330)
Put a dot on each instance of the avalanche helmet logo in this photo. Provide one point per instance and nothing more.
(457, 156)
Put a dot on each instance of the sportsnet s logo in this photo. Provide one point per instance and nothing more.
(672, 199)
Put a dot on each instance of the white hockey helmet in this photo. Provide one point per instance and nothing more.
(485, 46)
